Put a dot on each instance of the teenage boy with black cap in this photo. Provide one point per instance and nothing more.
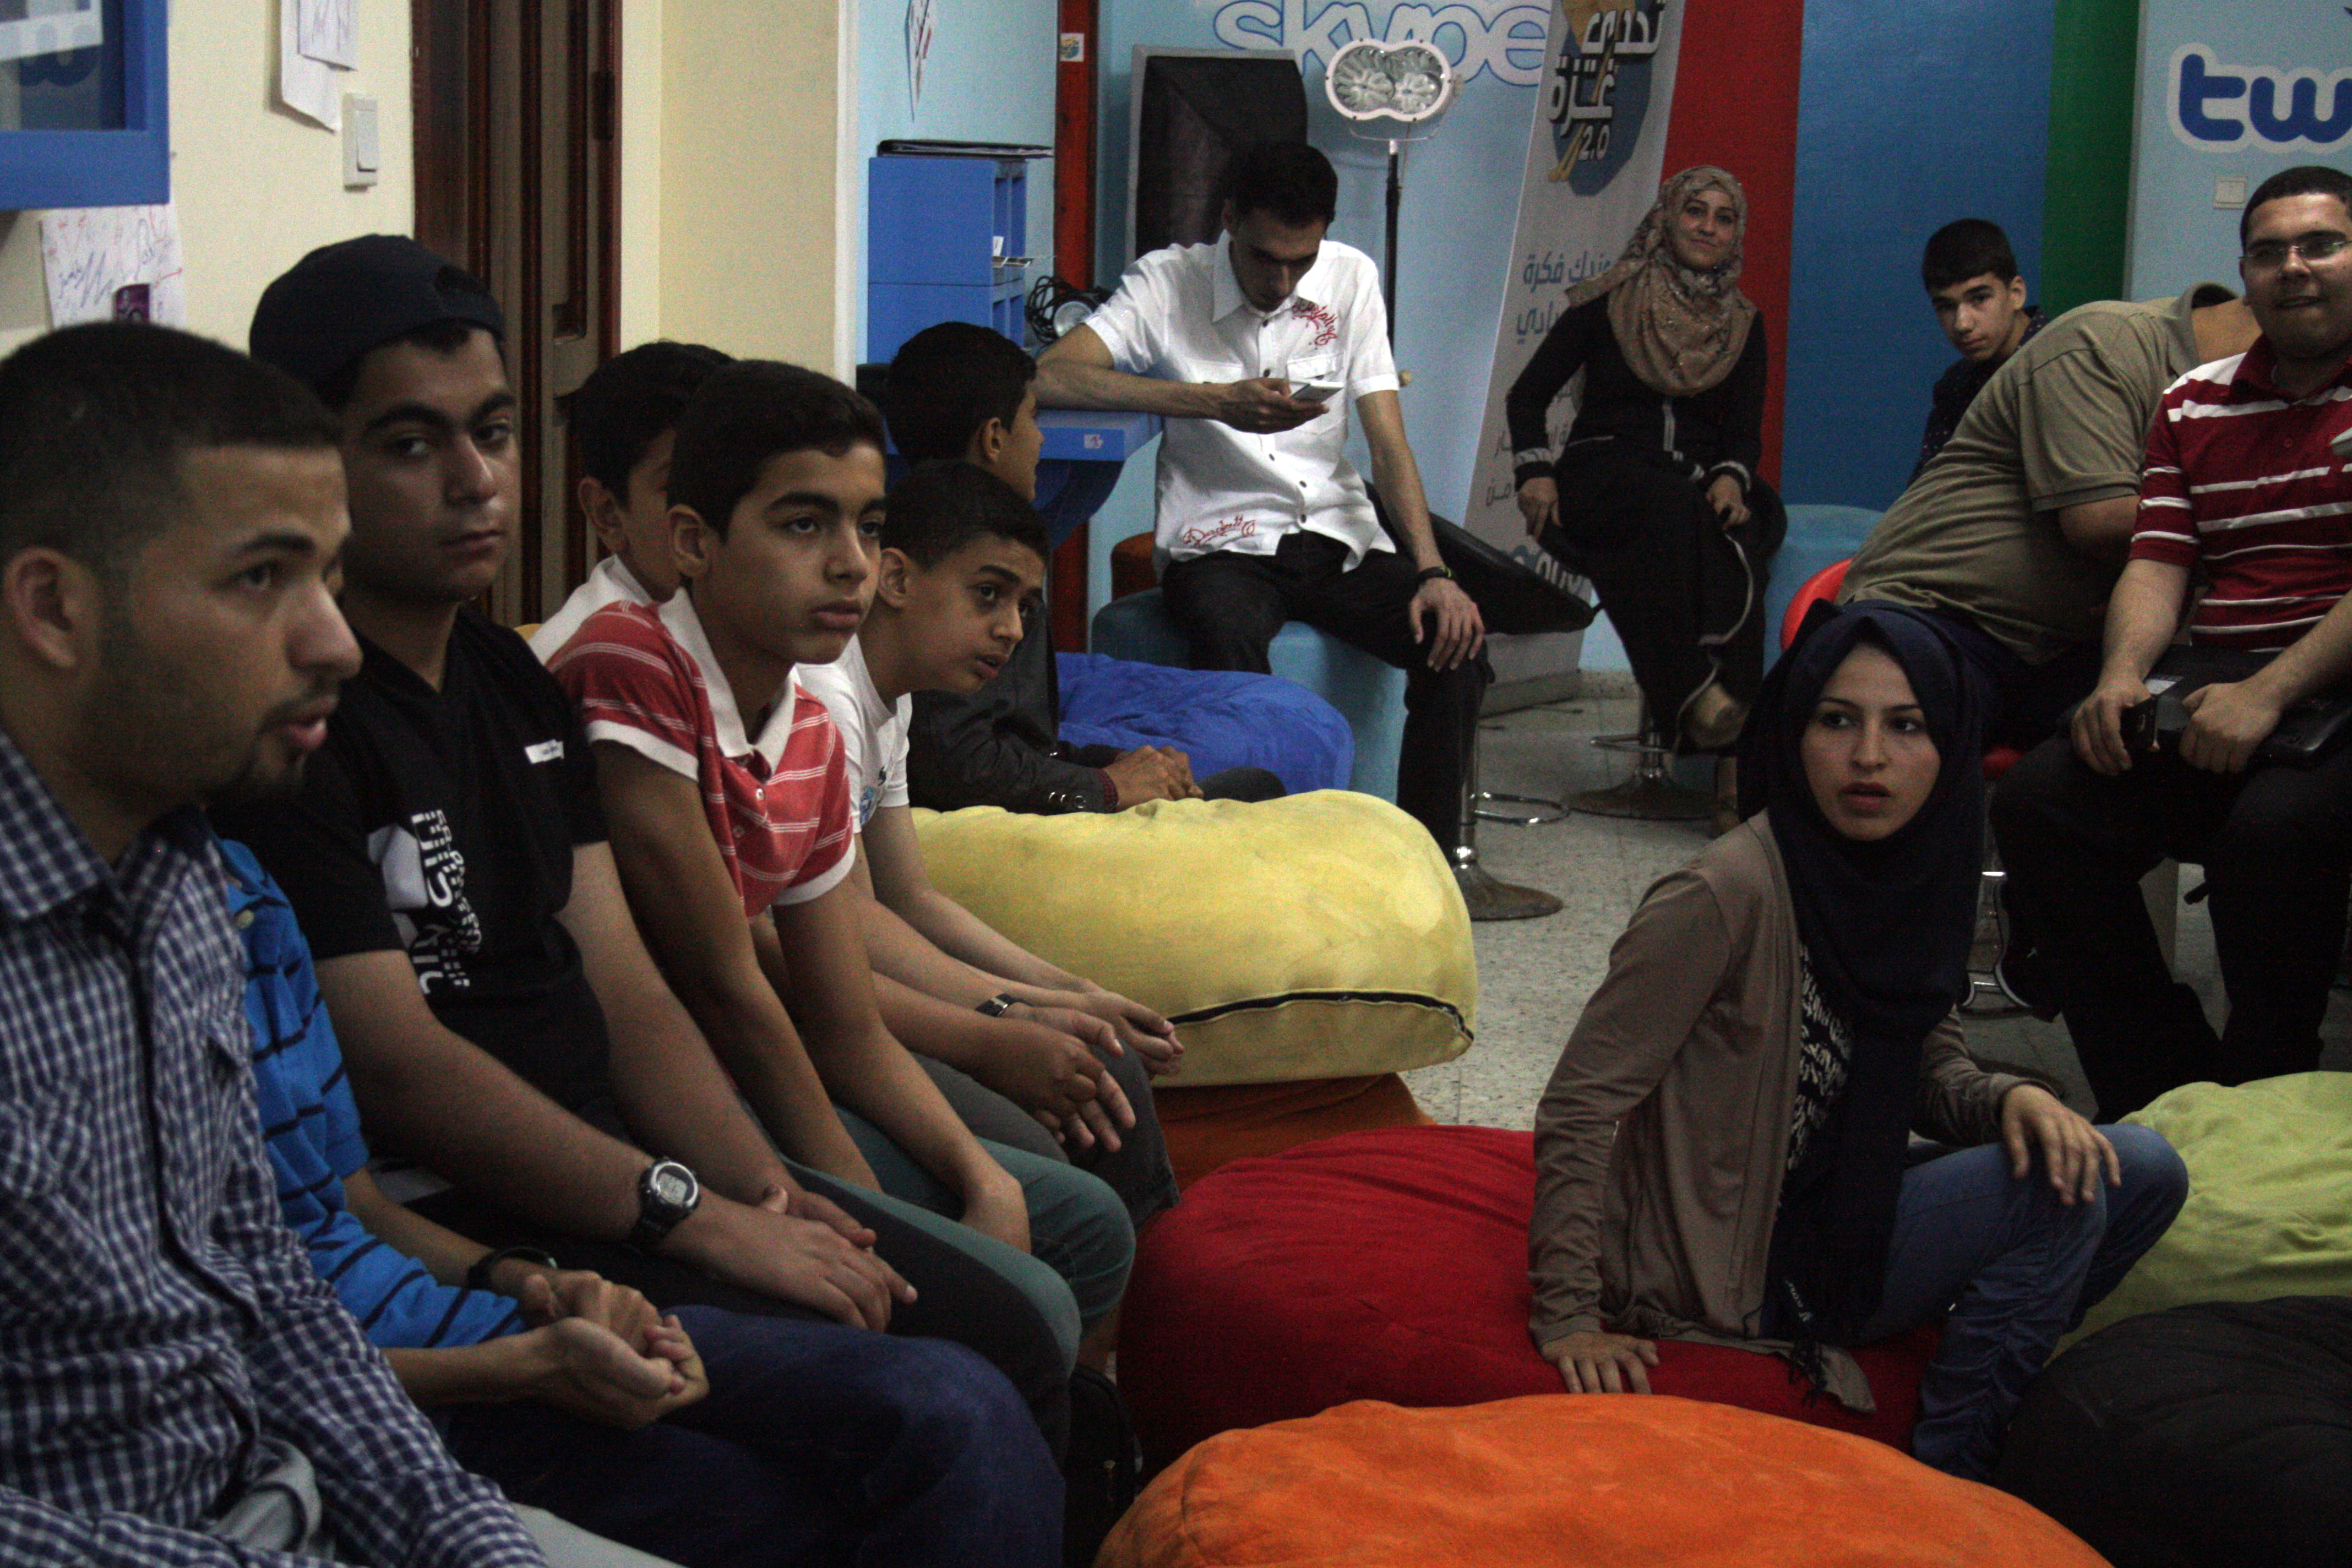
(502, 1022)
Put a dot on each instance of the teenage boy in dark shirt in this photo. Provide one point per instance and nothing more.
(501, 1019)
(1971, 277)
(959, 392)
(962, 559)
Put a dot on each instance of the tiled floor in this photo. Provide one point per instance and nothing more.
(1534, 975)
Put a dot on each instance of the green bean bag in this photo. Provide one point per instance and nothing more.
(1317, 936)
(2270, 1198)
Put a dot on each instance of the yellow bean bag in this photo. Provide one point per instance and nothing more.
(1568, 1480)
(1313, 937)
(2269, 1197)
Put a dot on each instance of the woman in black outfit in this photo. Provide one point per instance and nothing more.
(1654, 497)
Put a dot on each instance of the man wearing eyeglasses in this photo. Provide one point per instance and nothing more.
(2246, 488)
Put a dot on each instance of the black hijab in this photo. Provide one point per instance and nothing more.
(1886, 927)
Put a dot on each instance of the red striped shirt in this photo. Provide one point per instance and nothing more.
(644, 679)
(2241, 482)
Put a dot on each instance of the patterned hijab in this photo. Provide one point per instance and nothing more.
(1681, 329)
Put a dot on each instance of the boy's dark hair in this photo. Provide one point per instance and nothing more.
(94, 421)
(1965, 248)
(948, 381)
(629, 400)
(940, 507)
(751, 411)
(1289, 179)
(2303, 180)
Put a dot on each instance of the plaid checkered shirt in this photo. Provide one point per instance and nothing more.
(160, 1327)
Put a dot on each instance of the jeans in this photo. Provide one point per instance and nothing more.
(817, 1444)
(1230, 605)
(2017, 1269)
(1081, 1242)
(2276, 846)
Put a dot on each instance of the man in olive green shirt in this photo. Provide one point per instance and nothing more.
(2014, 534)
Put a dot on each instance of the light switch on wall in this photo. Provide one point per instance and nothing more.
(361, 156)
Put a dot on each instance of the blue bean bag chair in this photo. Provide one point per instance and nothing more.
(1220, 719)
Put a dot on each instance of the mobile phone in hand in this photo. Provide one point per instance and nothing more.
(1313, 391)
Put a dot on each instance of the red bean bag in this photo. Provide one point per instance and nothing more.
(1393, 1265)
(1570, 1480)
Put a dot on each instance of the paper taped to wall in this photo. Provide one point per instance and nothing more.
(306, 86)
(326, 30)
(33, 27)
(107, 264)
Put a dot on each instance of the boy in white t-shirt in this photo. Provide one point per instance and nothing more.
(962, 559)
(622, 423)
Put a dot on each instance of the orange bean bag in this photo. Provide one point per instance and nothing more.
(1215, 1125)
(1572, 1480)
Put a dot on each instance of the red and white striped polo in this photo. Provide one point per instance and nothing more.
(778, 806)
(2241, 482)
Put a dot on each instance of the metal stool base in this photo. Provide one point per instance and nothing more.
(1490, 900)
(1550, 812)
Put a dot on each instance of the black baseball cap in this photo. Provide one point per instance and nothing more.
(343, 299)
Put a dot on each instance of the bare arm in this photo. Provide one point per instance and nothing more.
(2101, 529)
(2142, 615)
(2228, 719)
(677, 884)
(1076, 373)
(1441, 613)
(815, 960)
(445, 1254)
(890, 859)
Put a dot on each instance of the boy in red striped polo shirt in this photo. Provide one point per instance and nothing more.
(725, 788)
(2243, 490)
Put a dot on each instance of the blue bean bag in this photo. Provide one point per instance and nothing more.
(1220, 719)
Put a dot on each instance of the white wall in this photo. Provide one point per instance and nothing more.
(256, 187)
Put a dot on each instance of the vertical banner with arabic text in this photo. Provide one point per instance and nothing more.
(1596, 153)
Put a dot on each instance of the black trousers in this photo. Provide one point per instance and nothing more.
(1687, 603)
(1230, 606)
(2276, 846)
(956, 1297)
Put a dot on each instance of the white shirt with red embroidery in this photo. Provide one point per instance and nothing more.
(1179, 315)
(778, 805)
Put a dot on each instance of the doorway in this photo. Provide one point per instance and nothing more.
(518, 179)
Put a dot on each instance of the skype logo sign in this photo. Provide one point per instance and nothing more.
(2219, 107)
(1506, 37)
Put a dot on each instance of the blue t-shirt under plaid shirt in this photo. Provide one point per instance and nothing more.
(312, 1130)
(158, 1321)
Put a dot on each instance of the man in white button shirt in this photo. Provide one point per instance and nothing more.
(1253, 349)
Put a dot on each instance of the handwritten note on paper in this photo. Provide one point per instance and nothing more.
(306, 86)
(326, 30)
(114, 263)
(32, 27)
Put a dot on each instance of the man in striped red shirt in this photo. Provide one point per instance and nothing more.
(2242, 492)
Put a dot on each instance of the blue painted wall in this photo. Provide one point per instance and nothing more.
(1910, 115)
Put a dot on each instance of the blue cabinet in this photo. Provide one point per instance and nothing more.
(88, 128)
(947, 239)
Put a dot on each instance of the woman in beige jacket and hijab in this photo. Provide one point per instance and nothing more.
(1723, 1152)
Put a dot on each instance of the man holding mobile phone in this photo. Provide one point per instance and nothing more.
(1246, 347)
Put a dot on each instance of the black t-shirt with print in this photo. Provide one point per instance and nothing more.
(441, 824)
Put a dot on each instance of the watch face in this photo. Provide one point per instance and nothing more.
(673, 1184)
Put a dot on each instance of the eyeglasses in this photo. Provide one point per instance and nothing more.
(2273, 253)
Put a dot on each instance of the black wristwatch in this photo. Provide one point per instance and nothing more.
(477, 1274)
(666, 1193)
(1429, 572)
